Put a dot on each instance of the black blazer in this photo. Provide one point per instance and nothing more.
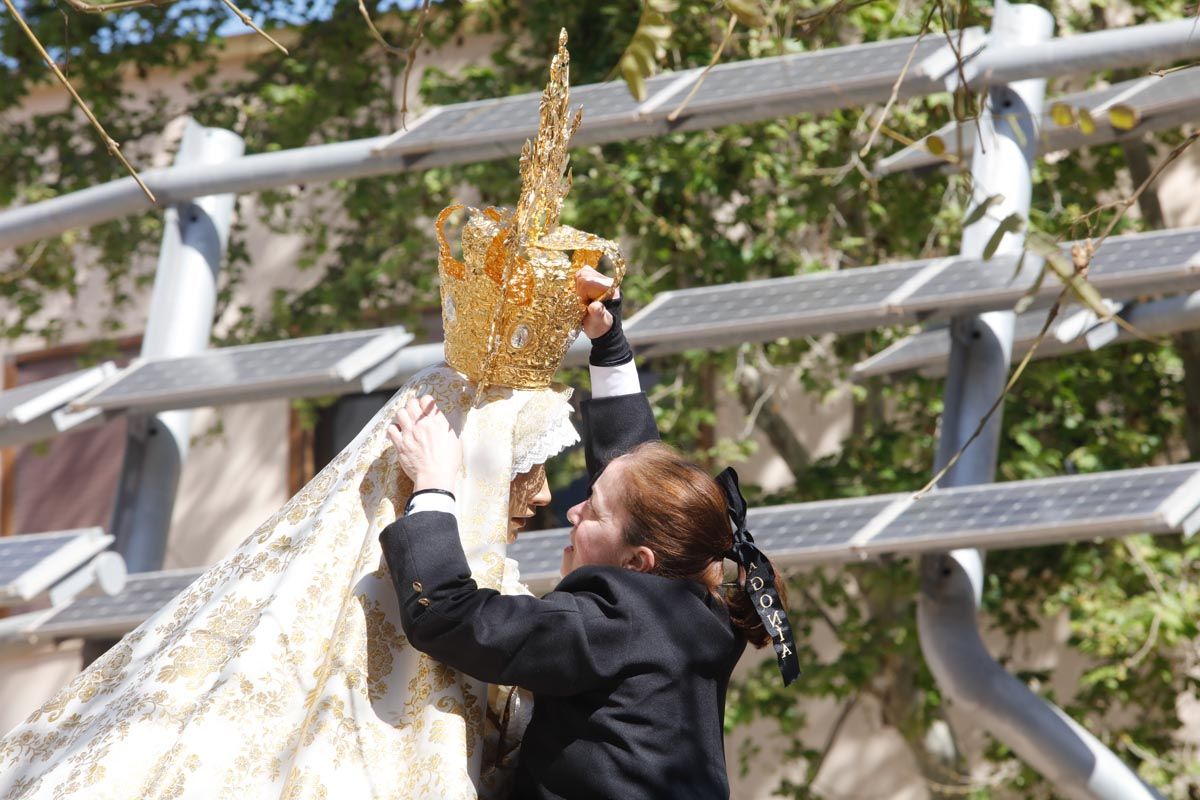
(628, 670)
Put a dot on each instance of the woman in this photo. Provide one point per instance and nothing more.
(629, 658)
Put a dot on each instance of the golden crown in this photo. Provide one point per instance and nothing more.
(509, 307)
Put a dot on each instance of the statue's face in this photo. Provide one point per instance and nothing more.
(528, 492)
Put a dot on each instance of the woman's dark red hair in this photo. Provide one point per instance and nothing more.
(676, 509)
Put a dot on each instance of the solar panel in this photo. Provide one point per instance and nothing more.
(1159, 103)
(35, 411)
(860, 299)
(1000, 515)
(513, 119)
(102, 615)
(1043, 511)
(32, 563)
(24, 403)
(740, 91)
(929, 350)
(802, 533)
(744, 91)
(846, 300)
(1162, 261)
(336, 364)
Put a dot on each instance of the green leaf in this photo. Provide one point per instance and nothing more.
(1061, 266)
(748, 12)
(647, 47)
(1028, 443)
(978, 211)
(1010, 224)
(1023, 304)
(935, 145)
(1014, 125)
(634, 76)
(1020, 264)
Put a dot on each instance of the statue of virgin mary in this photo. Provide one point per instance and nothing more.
(282, 671)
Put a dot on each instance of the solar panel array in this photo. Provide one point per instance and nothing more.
(741, 91)
(1050, 510)
(715, 316)
(1158, 103)
(336, 364)
(32, 563)
(861, 299)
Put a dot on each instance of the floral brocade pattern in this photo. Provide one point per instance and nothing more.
(282, 671)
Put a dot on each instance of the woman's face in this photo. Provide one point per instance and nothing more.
(528, 492)
(597, 525)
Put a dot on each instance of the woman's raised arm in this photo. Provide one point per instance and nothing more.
(618, 416)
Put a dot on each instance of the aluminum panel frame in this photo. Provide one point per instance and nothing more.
(31, 564)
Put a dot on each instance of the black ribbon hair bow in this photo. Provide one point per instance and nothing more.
(760, 579)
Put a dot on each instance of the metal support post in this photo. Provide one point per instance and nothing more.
(195, 235)
(981, 347)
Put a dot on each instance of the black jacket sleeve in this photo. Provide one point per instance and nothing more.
(565, 643)
(612, 426)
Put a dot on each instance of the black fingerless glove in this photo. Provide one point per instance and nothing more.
(612, 349)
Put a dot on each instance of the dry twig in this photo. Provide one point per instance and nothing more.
(674, 115)
(1082, 259)
(1012, 381)
(250, 24)
(103, 8)
(410, 58)
(375, 33)
(887, 107)
(831, 739)
(113, 146)
(1124, 205)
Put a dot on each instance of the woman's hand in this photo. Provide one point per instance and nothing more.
(429, 450)
(591, 286)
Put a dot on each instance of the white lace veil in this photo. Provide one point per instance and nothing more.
(282, 672)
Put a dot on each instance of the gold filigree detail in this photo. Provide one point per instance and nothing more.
(509, 307)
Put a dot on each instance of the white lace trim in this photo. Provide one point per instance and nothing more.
(556, 437)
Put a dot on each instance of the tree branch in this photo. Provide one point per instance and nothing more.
(114, 148)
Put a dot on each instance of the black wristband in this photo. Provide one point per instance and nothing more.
(612, 349)
(411, 497)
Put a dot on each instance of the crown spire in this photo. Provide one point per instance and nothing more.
(544, 178)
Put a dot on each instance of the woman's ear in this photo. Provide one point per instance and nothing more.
(640, 560)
